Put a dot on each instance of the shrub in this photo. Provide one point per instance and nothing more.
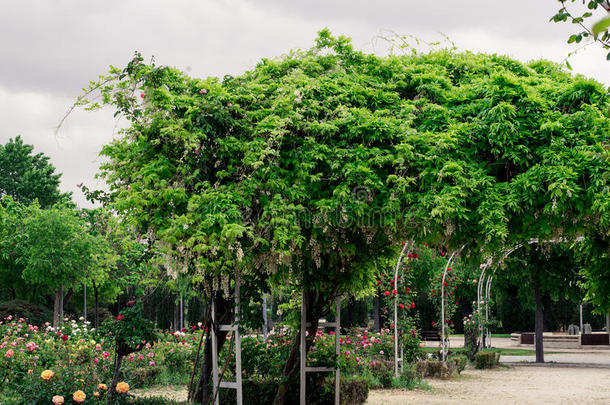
(407, 379)
(35, 314)
(460, 361)
(383, 373)
(486, 359)
(354, 390)
(434, 369)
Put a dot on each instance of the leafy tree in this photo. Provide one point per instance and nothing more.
(551, 271)
(12, 215)
(311, 167)
(599, 32)
(26, 176)
(57, 252)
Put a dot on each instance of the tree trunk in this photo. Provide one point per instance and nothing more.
(539, 325)
(377, 319)
(118, 359)
(96, 320)
(66, 299)
(176, 315)
(291, 370)
(349, 314)
(57, 308)
(224, 315)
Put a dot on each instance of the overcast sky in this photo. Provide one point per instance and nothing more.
(50, 49)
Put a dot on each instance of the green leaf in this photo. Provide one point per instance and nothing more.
(601, 26)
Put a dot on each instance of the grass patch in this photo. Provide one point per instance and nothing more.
(504, 351)
(493, 335)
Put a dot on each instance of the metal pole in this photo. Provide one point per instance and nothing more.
(479, 294)
(265, 330)
(338, 352)
(487, 291)
(181, 312)
(302, 360)
(398, 263)
(214, 355)
(85, 302)
(443, 343)
(581, 318)
(237, 338)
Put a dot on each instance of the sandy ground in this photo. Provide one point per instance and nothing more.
(515, 385)
(178, 393)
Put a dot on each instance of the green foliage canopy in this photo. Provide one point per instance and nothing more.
(26, 176)
(313, 164)
(57, 248)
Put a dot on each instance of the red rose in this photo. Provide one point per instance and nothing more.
(433, 323)
(412, 305)
(378, 282)
(120, 317)
(394, 292)
(64, 337)
(386, 293)
(401, 306)
(194, 327)
(402, 243)
(448, 268)
(142, 95)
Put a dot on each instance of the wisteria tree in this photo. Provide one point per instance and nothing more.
(310, 167)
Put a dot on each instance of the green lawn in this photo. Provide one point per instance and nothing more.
(493, 335)
(506, 352)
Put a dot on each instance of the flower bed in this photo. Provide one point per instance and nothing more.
(75, 362)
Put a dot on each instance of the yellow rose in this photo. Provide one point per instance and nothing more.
(96, 394)
(47, 375)
(122, 388)
(30, 371)
(57, 400)
(102, 387)
(79, 396)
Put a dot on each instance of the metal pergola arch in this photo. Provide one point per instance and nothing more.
(484, 279)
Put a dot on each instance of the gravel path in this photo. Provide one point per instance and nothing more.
(515, 385)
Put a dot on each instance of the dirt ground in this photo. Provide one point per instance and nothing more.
(515, 385)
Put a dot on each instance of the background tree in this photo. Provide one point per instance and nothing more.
(57, 252)
(26, 176)
(552, 272)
